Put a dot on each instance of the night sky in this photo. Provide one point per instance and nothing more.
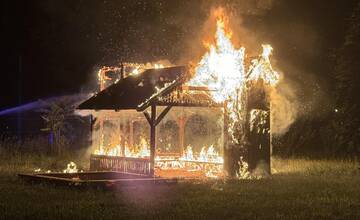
(51, 48)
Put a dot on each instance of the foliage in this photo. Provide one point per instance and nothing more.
(346, 124)
(57, 121)
(335, 133)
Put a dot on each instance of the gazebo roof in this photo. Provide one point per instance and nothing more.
(154, 86)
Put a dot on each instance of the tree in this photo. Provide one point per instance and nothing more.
(57, 118)
(346, 124)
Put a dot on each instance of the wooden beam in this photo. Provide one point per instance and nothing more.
(197, 88)
(147, 116)
(162, 115)
(182, 104)
(131, 133)
(164, 91)
(181, 124)
(152, 139)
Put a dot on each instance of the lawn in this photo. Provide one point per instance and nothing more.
(298, 189)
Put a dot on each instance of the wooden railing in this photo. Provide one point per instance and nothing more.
(122, 164)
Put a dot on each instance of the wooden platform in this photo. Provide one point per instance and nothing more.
(95, 179)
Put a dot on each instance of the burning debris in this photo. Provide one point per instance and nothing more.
(71, 168)
(221, 80)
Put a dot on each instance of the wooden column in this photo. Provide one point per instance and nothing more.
(181, 123)
(92, 123)
(131, 133)
(182, 134)
(101, 131)
(153, 121)
(258, 127)
(152, 138)
(122, 138)
(225, 142)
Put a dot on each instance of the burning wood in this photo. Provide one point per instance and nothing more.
(220, 78)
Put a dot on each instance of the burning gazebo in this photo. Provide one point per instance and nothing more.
(220, 82)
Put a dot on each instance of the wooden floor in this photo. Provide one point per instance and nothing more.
(180, 173)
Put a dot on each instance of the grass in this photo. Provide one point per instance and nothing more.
(299, 189)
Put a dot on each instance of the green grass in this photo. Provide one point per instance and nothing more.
(299, 189)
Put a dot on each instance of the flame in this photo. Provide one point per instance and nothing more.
(135, 71)
(144, 148)
(222, 70)
(141, 151)
(188, 154)
(159, 66)
(208, 156)
(222, 67)
(71, 168)
(261, 68)
(140, 68)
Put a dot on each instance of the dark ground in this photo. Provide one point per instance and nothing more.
(299, 189)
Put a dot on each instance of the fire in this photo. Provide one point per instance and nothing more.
(139, 68)
(71, 168)
(141, 151)
(222, 68)
(206, 155)
(223, 71)
(158, 66)
(261, 68)
(135, 71)
(188, 155)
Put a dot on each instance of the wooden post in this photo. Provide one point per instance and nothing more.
(258, 126)
(181, 123)
(92, 122)
(153, 121)
(225, 142)
(152, 138)
(182, 134)
(101, 138)
(131, 133)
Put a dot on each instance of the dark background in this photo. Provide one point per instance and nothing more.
(53, 48)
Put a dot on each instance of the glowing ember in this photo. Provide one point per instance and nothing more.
(71, 168)
(158, 66)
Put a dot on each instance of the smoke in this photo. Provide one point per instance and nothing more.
(284, 107)
(203, 25)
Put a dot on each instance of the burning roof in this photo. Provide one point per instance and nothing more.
(132, 91)
(164, 86)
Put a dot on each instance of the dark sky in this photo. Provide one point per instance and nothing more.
(51, 48)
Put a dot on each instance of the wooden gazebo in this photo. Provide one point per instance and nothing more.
(166, 88)
(144, 92)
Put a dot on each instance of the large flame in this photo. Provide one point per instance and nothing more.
(222, 70)
(222, 67)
